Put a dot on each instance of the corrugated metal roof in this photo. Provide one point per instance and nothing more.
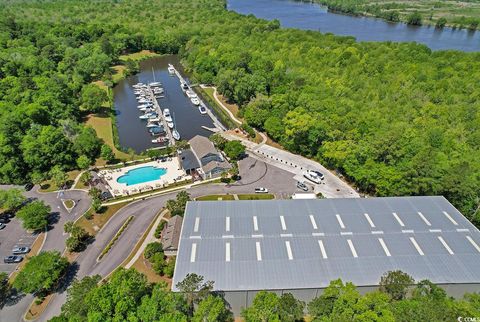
(294, 244)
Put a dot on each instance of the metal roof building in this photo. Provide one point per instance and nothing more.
(299, 246)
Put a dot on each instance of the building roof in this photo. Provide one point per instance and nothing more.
(215, 164)
(202, 146)
(171, 233)
(189, 160)
(295, 244)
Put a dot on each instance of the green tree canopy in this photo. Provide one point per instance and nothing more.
(41, 273)
(234, 149)
(212, 309)
(34, 216)
(11, 199)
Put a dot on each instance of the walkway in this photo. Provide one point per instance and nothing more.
(215, 95)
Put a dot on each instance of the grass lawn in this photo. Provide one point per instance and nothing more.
(259, 196)
(68, 203)
(215, 197)
(141, 55)
(102, 124)
(98, 221)
(49, 186)
(117, 74)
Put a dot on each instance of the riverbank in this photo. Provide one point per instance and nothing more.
(455, 15)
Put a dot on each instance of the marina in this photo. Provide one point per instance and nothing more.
(140, 102)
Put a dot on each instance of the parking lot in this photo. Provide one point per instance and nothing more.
(11, 236)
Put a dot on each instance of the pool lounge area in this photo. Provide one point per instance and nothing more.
(143, 177)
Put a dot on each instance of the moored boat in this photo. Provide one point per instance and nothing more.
(171, 69)
(190, 93)
(166, 115)
(155, 84)
(195, 101)
(170, 125)
(202, 109)
(176, 135)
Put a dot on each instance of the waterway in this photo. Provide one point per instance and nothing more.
(132, 131)
(311, 16)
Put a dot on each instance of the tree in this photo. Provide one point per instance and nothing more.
(97, 205)
(86, 177)
(218, 140)
(4, 287)
(119, 298)
(59, 177)
(234, 150)
(107, 154)
(83, 162)
(441, 22)
(152, 248)
(194, 289)
(11, 199)
(158, 262)
(75, 307)
(289, 308)
(41, 273)
(87, 143)
(92, 98)
(169, 268)
(34, 215)
(414, 18)
(177, 206)
(264, 308)
(212, 309)
(78, 239)
(163, 305)
(396, 284)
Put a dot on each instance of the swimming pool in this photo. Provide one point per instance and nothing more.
(141, 175)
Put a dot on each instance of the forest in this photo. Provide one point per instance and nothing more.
(395, 119)
(441, 13)
(127, 296)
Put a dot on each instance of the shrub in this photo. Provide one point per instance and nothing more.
(152, 249)
(159, 229)
(158, 262)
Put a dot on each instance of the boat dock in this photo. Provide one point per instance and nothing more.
(171, 140)
(219, 126)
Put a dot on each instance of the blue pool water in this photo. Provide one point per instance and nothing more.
(141, 175)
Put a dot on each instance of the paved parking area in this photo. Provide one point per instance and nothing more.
(11, 236)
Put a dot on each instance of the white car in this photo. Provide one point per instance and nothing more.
(314, 176)
(261, 190)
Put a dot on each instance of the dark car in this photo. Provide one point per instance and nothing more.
(8, 214)
(28, 186)
(4, 220)
(12, 259)
(2, 226)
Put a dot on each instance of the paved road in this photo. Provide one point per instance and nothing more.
(55, 239)
(254, 174)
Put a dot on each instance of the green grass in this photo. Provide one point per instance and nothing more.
(49, 186)
(141, 55)
(215, 197)
(116, 237)
(68, 203)
(259, 196)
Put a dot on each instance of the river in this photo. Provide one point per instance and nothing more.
(131, 130)
(310, 16)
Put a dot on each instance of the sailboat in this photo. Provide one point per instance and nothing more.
(175, 133)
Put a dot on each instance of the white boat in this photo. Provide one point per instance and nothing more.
(170, 125)
(195, 101)
(154, 118)
(160, 139)
(144, 116)
(158, 90)
(202, 109)
(138, 85)
(155, 84)
(176, 135)
(144, 100)
(191, 94)
(143, 105)
(153, 124)
(314, 176)
(184, 86)
(166, 115)
(171, 69)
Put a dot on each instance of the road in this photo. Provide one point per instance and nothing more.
(14, 309)
(254, 173)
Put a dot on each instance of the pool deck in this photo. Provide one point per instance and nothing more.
(174, 173)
